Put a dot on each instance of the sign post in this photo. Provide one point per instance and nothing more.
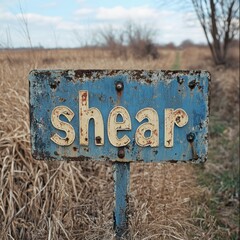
(121, 187)
(120, 116)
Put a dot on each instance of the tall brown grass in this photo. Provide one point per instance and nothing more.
(74, 200)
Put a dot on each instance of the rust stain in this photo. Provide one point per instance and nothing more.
(155, 132)
(75, 149)
(193, 84)
(178, 119)
(180, 80)
(84, 98)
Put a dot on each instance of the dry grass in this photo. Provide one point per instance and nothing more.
(72, 200)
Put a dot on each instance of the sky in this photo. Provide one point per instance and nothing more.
(74, 23)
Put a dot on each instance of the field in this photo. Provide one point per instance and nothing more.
(74, 200)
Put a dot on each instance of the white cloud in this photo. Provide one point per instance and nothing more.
(38, 19)
(120, 13)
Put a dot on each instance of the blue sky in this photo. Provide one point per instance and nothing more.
(71, 23)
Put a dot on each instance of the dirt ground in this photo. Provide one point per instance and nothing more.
(74, 200)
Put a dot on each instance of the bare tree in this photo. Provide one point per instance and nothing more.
(220, 22)
(131, 38)
(113, 39)
(140, 40)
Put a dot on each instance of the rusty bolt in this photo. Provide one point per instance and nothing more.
(98, 139)
(121, 153)
(191, 137)
(119, 86)
(192, 84)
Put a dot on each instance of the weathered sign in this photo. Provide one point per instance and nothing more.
(119, 115)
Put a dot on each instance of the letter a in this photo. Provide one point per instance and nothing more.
(152, 125)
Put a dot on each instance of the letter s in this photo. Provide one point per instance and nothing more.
(60, 125)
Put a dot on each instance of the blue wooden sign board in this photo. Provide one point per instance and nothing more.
(119, 115)
(154, 94)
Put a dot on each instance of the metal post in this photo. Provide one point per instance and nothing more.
(121, 188)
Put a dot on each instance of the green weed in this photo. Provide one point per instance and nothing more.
(176, 64)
